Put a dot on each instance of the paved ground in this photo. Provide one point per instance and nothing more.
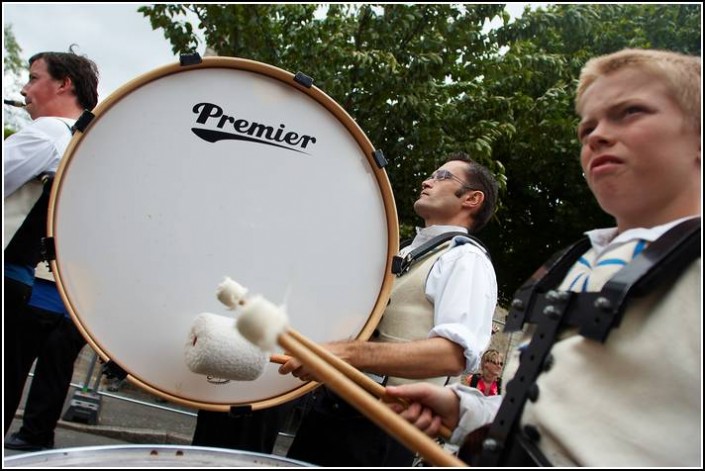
(127, 416)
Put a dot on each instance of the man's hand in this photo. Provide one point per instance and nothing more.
(298, 370)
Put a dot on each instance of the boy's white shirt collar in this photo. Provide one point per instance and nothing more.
(603, 238)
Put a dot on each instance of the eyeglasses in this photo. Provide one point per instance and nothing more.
(498, 363)
(442, 174)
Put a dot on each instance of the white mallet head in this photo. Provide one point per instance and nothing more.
(216, 348)
(261, 322)
(231, 293)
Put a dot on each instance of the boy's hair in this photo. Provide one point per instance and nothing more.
(680, 72)
(82, 71)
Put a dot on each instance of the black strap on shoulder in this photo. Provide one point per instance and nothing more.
(406, 242)
(664, 259)
(25, 246)
(550, 274)
(594, 314)
(401, 265)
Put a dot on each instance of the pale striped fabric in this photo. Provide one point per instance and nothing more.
(591, 272)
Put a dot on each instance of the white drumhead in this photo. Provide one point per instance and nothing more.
(189, 174)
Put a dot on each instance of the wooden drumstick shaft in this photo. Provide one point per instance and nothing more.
(356, 375)
(375, 410)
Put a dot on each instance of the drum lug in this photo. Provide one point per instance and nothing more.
(190, 59)
(82, 122)
(48, 249)
(240, 411)
(380, 160)
(113, 370)
(303, 79)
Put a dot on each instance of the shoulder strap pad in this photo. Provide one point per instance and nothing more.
(401, 265)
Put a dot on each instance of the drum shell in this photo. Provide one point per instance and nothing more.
(147, 217)
(141, 456)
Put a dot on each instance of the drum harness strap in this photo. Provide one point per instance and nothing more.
(401, 265)
(594, 314)
(24, 247)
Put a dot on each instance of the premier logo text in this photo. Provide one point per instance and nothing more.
(242, 129)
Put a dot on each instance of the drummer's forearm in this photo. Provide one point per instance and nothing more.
(417, 359)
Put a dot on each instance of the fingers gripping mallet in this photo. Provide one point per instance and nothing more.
(266, 325)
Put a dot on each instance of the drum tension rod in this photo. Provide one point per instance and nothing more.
(48, 249)
(82, 122)
(190, 59)
(113, 370)
(240, 411)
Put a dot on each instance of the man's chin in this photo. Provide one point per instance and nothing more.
(420, 207)
(30, 111)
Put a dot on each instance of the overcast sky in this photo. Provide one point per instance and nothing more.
(118, 38)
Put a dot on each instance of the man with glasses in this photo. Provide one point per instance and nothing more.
(621, 308)
(437, 323)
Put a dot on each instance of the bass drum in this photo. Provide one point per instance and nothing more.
(229, 167)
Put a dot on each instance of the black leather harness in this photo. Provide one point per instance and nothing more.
(593, 314)
(25, 246)
(401, 265)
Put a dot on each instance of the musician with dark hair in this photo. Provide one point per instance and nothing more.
(612, 373)
(436, 325)
(61, 85)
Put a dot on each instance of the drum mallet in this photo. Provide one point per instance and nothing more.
(233, 295)
(215, 348)
(356, 375)
(266, 325)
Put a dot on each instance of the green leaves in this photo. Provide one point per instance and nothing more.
(14, 74)
(12, 61)
(178, 30)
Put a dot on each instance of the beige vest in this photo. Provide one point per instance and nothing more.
(409, 315)
(607, 405)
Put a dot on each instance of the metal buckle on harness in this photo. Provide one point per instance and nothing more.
(401, 265)
(381, 380)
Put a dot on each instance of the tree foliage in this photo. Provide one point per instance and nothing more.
(13, 69)
(12, 61)
(423, 80)
(403, 72)
(547, 203)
